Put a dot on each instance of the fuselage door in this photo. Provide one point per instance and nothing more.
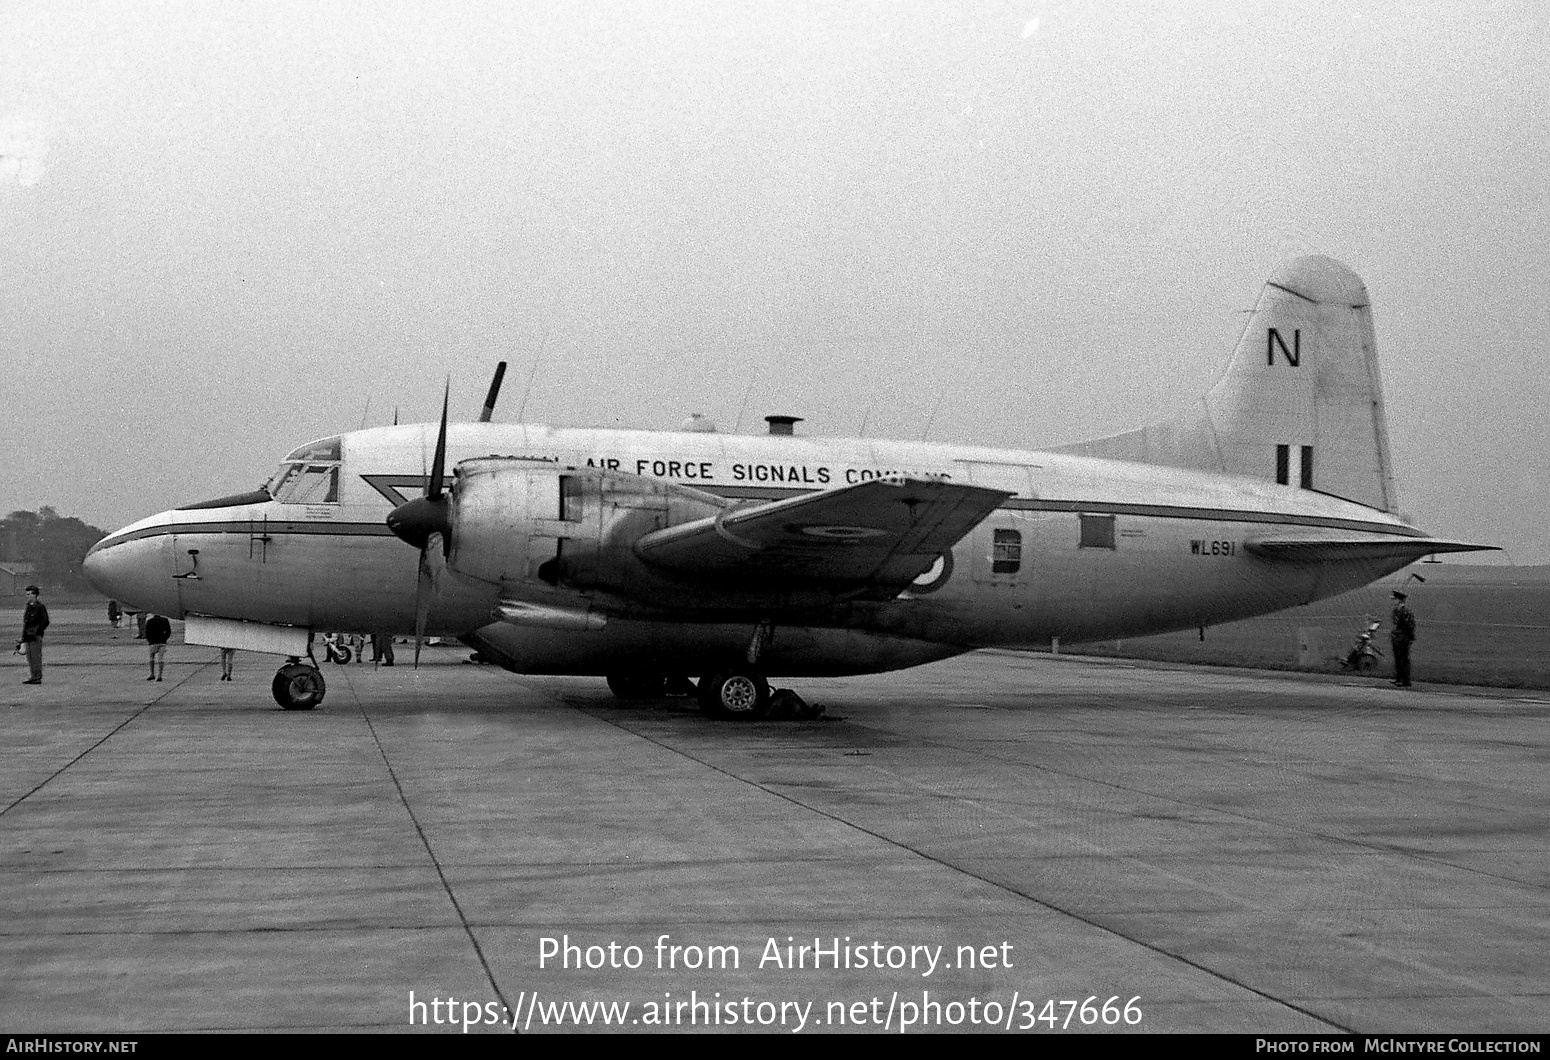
(999, 546)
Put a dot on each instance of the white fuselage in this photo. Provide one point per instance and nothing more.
(1084, 549)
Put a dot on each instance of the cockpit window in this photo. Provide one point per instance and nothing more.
(326, 450)
(306, 484)
(310, 475)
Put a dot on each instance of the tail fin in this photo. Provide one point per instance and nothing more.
(1300, 402)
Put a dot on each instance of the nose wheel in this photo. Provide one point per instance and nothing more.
(298, 686)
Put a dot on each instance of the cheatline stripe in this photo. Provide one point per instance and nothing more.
(255, 528)
(260, 528)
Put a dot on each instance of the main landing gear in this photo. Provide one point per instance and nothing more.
(735, 694)
(742, 694)
(739, 692)
(298, 685)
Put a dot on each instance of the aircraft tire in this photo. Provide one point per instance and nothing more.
(298, 686)
(637, 686)
(741, 695)
(1365, 663)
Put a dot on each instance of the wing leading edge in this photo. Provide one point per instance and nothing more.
(881, 534)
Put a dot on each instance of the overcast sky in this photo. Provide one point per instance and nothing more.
(228, 228)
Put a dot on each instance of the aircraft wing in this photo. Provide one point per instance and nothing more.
(1315, 550)
(879, 535)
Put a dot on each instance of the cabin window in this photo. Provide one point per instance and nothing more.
(1006, 554)
(1283, 464)
(1097, 531)
(1307, 467)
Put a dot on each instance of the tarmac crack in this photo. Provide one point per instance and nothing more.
(105, 738)
(1001, 885)
(430, 852)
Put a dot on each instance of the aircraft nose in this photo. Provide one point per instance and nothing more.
(103, 567)
(133, 570)
(99, 569)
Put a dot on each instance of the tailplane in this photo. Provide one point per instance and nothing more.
(1300, 403)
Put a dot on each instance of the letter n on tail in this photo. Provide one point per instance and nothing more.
(1273, 339)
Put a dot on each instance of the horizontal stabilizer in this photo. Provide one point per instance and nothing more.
(1315, 550)
(883, 534)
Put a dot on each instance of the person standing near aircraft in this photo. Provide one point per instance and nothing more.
(157, 632)
(1401, 636)
(228, 657)
(34, 622)
(382, 648)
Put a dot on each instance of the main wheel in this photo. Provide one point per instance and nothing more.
(637, 686)
(298, 686)
(1366, 662)
(740, 694)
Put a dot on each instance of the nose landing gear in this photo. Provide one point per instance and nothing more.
(298, 686)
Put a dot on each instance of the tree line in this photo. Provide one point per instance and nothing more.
(54, 544)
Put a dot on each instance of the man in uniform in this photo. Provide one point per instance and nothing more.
(1401, 636)
(34, 622)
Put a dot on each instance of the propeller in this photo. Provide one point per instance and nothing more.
(426, 523)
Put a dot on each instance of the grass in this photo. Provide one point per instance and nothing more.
(1471, 629)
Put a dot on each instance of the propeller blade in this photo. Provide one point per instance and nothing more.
(495, 389)
(431, 565)
(421, 611)
(439, 461)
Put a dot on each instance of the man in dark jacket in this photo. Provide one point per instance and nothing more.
(1401, 636)
(34, 622)
(157, 632)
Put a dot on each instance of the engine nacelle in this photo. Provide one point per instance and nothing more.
(537, 529)
(562, 539)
